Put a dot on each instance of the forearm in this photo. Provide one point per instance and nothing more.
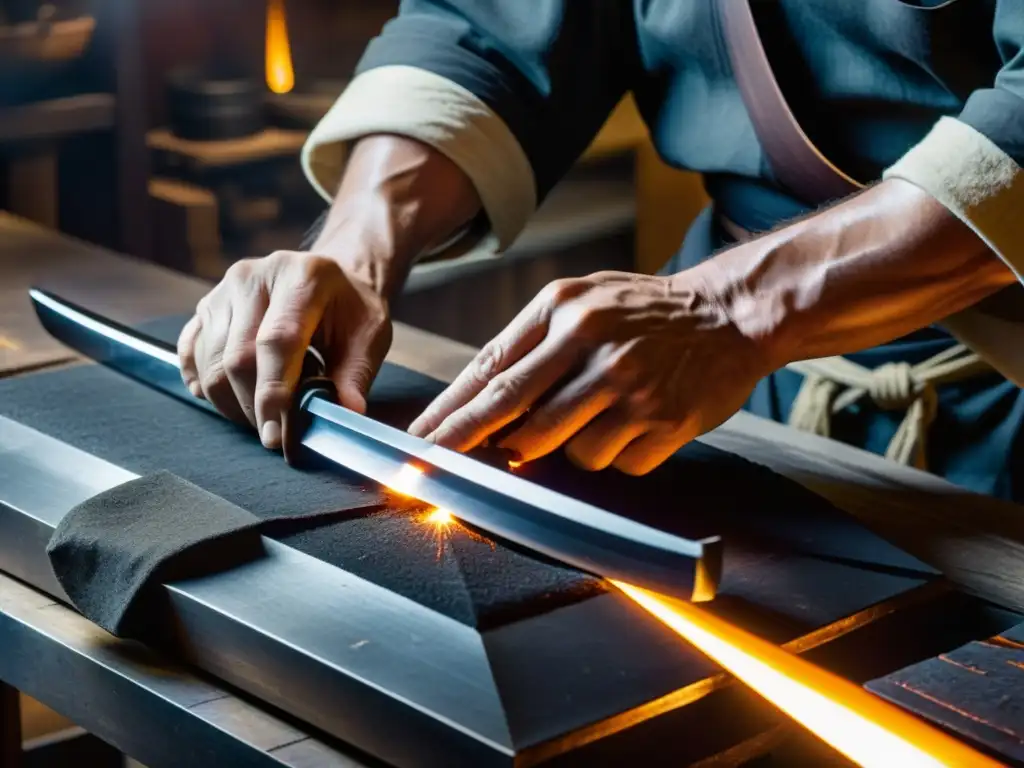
(398, 198)
(880, 265)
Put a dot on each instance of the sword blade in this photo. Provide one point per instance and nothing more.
(509, 507)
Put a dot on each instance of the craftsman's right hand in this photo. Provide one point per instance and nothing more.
(244, 348)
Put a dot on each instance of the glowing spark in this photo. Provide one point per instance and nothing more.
(442, 518)
(865, 728)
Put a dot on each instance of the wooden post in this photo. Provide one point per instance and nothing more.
(10, 727)
(32, 186)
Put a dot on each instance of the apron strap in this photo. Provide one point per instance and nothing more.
(794, 160)
(831, 384)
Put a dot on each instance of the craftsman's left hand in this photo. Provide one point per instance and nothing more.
(621, 369)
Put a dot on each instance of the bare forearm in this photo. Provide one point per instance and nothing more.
(398, 198)
(884, 263)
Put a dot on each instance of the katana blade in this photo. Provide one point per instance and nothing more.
(509, 507)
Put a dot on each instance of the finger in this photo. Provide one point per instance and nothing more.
(507, 396)
(515, 341)
(357, 367)
(653, 449)
(239, 358)
(213, 378)
(598, 444)
(561, 416)
(293, 314)
(187, 355)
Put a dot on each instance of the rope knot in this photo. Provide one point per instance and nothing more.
(893, 386)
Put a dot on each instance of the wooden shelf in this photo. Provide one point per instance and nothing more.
(45, 41)
(202, 156)
(57, 118)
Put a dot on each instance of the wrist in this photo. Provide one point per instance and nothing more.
(398, 199)
(361, 236)
(759, 302)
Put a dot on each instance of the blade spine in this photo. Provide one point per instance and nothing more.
(109, 329)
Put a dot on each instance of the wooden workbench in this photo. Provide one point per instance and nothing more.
(69, 664)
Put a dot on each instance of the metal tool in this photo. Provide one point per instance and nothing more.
(496, 501)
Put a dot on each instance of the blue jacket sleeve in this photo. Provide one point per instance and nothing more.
(552, 70)
(998, 111)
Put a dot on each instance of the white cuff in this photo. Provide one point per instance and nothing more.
(974, 179)
(966, 172)
(413, 102)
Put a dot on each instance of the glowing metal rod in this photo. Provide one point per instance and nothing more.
(861, 726)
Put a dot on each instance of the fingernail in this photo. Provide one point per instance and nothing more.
(194, 389)
(271, 434)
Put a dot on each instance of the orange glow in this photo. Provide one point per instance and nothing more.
(863, 727)
(280, 74)
(856, 723)
(442, 518)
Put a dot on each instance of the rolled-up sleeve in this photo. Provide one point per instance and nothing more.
(972, 163)
(511, 92)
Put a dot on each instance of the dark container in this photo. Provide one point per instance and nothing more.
(211, 107)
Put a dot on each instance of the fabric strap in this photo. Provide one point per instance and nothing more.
(800, 167)
(794, 160)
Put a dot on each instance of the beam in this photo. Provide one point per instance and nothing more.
(976, 541)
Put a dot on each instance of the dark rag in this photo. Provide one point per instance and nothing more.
(110, 552)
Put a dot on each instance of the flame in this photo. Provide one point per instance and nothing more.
(859, 725)
(280, 74)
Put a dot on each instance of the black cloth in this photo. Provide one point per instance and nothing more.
(110, 552)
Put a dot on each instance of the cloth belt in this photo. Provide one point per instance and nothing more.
(834, 383)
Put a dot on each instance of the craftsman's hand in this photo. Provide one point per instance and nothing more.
(622, 369)
(243, 350)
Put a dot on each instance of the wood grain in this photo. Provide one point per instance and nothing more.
(975, 540)
(976, 691)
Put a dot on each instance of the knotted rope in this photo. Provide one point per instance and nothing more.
(834, 383)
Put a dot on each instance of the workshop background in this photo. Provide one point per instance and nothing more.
(171, 131)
